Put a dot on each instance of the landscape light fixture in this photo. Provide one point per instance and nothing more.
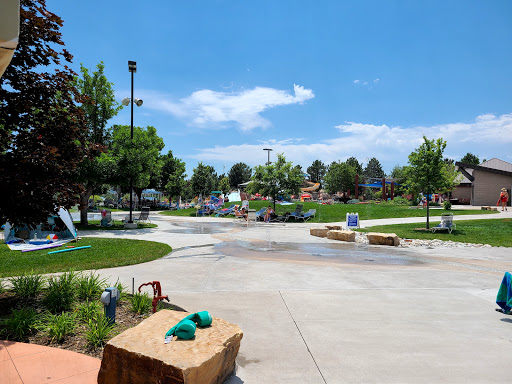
(132, 68)
(268, 154)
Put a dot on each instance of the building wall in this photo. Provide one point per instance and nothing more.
(487, 187)
(462, 192)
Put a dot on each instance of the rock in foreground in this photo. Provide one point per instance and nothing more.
(140, 356)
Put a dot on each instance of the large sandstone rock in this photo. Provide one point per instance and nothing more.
(140, 356)
(334, 227)
(319, 232)
(342, 235)
(383, 238)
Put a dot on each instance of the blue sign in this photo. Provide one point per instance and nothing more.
(353, 220)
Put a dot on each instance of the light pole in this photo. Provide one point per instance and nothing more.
(268, 154)
(132, 68)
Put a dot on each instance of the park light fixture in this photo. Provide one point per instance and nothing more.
(132, 68)
(268, 154)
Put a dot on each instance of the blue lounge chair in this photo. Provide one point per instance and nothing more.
(296, 213)
(260, 215)
(308, 215)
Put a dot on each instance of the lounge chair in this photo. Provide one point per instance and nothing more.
(308, 215)
(296, 213)
(226, 211)
(245, 204)
(144, 215)
(446, 223)
(261, 214)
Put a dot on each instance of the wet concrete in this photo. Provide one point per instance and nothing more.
(199, 228)
(330, 253)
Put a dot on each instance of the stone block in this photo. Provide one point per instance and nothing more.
(383, 238)
(342, 235)
(334, 227)
(140, 356)
(319, 232)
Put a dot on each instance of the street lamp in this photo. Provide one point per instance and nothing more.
(132, 68)
(268, 154)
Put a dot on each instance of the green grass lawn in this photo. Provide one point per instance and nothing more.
(495, 232)
(104, 253)
(94, 225)
(337, 212)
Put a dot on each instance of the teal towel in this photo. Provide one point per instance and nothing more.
(504, 297)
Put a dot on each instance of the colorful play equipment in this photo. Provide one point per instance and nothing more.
(157, 293)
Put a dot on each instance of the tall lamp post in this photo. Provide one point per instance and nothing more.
(268, 154)
(132, 68)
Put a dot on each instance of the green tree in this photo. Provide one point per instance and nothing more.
(279, 177)
(339, 178)
(238, 174)
(399, 174)
(224, 185)
(428, 172)
(352, 161)
(138, 159)
(317, 171)
(99, 106)
(204, 180)
(469, 158)
(41, 126)
(373, 169)
(172, 175)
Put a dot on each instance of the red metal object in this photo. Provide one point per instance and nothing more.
(157, 293)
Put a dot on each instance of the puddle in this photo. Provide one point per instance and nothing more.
(200, 228)
(342, 253)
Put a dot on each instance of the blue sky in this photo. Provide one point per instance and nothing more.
(221, 80)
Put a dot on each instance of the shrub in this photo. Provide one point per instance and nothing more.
(89, 286)
(141, 303)
(447, 205)
(61, 292)
(2, 286)
(58, 326)
(98, 331)
(27, 285)
(88, 311)
(21, 323)
(400, 200)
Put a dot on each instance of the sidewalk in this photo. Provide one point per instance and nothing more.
(35, 364)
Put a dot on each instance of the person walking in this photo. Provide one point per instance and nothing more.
(503, 199)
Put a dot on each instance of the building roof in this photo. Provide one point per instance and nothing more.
(497, 164)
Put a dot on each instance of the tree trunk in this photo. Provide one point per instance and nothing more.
(84, 205)
(138, 192)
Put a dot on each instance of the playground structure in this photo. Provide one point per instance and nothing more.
(306, 191)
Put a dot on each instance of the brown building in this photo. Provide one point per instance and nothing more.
(482, 183)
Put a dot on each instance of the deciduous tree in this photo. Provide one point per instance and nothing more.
(279, 177)
(428, 172)
(99, 106)
(172, 176)
(339, 178)
(204, 180)
(41, 126)
(469, 158)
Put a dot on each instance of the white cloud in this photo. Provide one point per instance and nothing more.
(207, 108)
(488, 136)
(356, 81)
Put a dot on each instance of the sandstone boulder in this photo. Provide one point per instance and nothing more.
(140, 356)
(383, 238)
(319, 232)
(342, 235)
(334, 227)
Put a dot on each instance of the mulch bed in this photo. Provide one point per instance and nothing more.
(125, 318)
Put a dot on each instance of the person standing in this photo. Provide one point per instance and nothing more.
(503, 199)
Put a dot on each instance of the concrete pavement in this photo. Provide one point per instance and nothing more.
(317, 311)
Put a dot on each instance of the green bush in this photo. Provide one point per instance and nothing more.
(2, 286)
(400, 200)
(447, 205)
(89, 310)
(61, 292)
(98, 331)
(28, 284)
(89, 286)
(141, 303)
(57, 327)
(20, 324)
